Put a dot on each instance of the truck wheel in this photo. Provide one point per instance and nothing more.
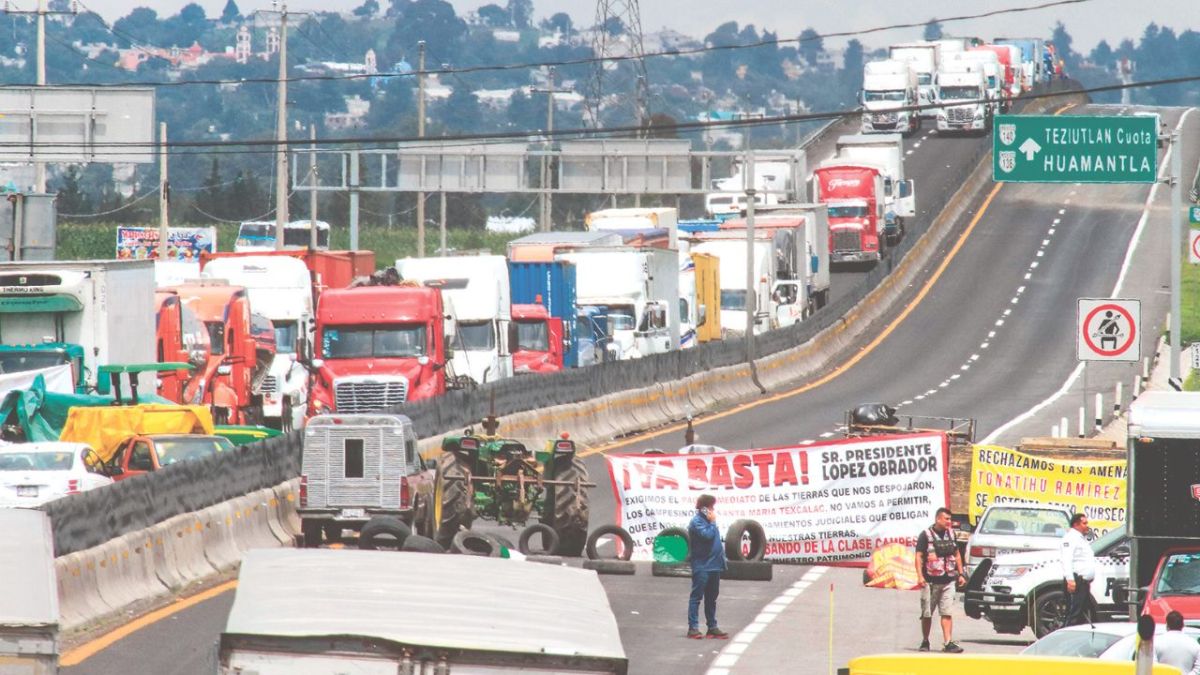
(451, 499)
(733, 540)
(285, 416)
(383, 532)
(418, 544)
(570, 517)
(1050, 612)
(311, 530)
(624, 552)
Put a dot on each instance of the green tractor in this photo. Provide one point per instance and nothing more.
(493, 478)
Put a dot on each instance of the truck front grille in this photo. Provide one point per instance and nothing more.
(960, 115)
(270, 385)
(369, 396)
(883, 118)
(847, 240)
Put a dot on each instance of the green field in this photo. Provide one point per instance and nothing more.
(84, 241)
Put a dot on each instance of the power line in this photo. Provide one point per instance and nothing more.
(592, 59)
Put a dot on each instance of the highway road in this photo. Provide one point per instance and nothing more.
(991, 338)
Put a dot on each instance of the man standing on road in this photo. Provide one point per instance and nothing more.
(708, 561)
(939, 567)
(1176, 649)
(1078, 569)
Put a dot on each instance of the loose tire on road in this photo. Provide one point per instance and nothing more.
(468, 542)
(419, 544)
(549, 539)
(451, 510)
(659, 569)
(748, 570)
(384, 532)
(570, 517)
(733, 540)
(610, 566)
(626, 547)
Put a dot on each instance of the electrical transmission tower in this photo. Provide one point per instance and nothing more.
(618, 33)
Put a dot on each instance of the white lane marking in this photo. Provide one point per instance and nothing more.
(1028, 275)
(1125, 265)
(916, 145)
(1033, 265)
(984, 345)
(1061, 211)
(991, 334)
(1039, 253)
(920, 397)
(1045, 242)
(827, 434)
(1009, 311)
(1014, 301)
(956, 375)
(1067, 201)
(999, 322)
(807, 441)
(729, 656)
(943, 385)
(1058, 220)
(1051, 232)
(975, 357)
(908, 402)
(931, 391)
(1020, 290)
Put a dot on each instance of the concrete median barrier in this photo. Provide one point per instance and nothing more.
(78, 590)
(287, 494)
(220, 549)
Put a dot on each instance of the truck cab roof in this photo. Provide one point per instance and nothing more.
(381, 304)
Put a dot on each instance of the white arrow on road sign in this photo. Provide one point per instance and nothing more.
(1030, 147)
(1107, 329)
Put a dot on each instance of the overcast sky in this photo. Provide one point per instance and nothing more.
(1087, 22)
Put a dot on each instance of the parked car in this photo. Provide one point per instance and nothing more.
(32, 474)
(1176, 585)
(1015, 527)
(1109, 641)
(145, 453)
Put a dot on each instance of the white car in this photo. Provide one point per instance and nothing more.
(32, 474)
(1015, 527)
(1111, 641)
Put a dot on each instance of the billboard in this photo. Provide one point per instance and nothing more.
(183, 243)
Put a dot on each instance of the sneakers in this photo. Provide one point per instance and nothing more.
(695, 634)
(952, 648)
(924, 646)
(717, 634)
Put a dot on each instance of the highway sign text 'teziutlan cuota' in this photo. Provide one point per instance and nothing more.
(1074, 149)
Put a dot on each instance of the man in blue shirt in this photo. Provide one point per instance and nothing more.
(708, 561)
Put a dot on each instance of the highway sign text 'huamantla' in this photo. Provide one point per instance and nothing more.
(1074, 149)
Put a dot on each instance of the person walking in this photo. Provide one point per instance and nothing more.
(1078, 569)
(939, 568)
(708, 561)
(1176, 649)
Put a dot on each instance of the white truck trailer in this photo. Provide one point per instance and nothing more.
(814, 266)
(29, 603)
(778, 302)
(962, 92)
(636, 291)
(479, 298)
(322, 611)
(636, 220)
(885, 151)
(106, 307)
(280, 289)
(889, 87)
(925, 57)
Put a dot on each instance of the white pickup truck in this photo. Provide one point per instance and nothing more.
(1016, 590)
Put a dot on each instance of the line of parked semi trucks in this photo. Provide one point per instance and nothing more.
(273, 337)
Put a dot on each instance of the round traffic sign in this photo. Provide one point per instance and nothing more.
(1114, 339)
(1196, 244)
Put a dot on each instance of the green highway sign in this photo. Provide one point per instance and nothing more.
(1074, 149)
(1194, 214)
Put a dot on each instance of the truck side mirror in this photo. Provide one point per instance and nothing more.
(701, 315)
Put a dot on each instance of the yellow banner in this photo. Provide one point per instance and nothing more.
(1093, 488)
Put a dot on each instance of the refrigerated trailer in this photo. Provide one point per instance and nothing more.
(29, 603)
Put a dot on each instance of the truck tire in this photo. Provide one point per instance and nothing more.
(604, 530)
(570, 517)
(623, 567)
(1050, 611)
(733, 540)
(418, 544)
(383, 532)
(311, 530)
(285, 415)
(748, 570)
(549, 539)
(451, 499)
(469, 542)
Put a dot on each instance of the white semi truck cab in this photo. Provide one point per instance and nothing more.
(888, 88)
(962, 92)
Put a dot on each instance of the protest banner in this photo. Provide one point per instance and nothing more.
(828, 502)
(183, 243)
(1093, 488)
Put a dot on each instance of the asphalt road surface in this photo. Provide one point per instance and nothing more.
(992, 339)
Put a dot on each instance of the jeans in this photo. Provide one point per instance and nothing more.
(1078, 602)
(706, 585)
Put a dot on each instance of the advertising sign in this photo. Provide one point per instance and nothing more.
(821, 503)
(183, 243)
(1093, 488)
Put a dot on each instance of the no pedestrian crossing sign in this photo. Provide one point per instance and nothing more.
(1074, 149)
(1107, 329)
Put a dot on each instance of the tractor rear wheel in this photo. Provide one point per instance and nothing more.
(451, 507)
(570, 517)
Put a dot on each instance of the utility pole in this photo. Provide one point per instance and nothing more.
(547, 205)
(281, 157)
(164, 193)
(751, 278)
(1177, 242)
(39, 167)
(421, 134)
(312, 182)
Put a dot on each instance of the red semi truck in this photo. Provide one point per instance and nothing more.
(539, 345)
(377, 347)
(180, 337)
(853, 194)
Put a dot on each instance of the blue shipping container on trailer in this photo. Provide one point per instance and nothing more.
(552, 285)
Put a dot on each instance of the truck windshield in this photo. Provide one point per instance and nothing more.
(533, 336)
(733, 298)
(924, 78)
(620, 318)
(884, 95)
(848, 211)
(1024, 521)
(959, 93)
(476, 337)
(18, 362)
(395, 341)
(181, 449)
(1180, 575)
(256, 231)
(298, 237)
(216, 337)
(285, 337)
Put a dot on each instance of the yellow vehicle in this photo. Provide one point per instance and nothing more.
(708, 296)
(992, 664)
(105, 428)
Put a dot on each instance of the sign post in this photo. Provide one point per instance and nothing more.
(1074, 149)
